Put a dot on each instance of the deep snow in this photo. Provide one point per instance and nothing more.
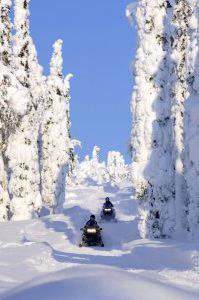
(40, 259)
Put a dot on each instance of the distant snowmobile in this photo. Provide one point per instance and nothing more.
(91, 234)
(108, 211)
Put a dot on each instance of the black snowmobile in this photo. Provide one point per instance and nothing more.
(108, 211)
(91, 234)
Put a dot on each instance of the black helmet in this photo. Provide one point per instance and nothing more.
(107, 199)
(92, 217)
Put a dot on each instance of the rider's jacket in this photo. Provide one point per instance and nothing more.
(108, 204)
(91, 223)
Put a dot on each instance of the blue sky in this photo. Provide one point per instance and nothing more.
(99, 45)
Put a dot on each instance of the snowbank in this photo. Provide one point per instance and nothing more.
(40, 259)
(99, 283)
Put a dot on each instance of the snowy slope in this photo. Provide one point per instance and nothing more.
(40, 259)
(91, 282)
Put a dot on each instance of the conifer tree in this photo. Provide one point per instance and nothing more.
(22, 149)
(179, 35)
(191, 122)
(55, 134)
(97, 170)
(72, 160)
(5, 32)
(116, 167)
(5, 112)
(152, 172)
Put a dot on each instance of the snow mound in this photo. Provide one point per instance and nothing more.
(126, 268)
(91, 282)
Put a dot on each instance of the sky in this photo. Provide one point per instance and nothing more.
(99, 45)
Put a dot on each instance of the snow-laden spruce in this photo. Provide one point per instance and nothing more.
(72, 159)
(117, 170)
(152, 173)
(24, 182)
(179, 34)
(191, 121)
(5, 32)
(5, 57)
(91, 170)
(23, 90)
(21, 41)
(10, 111)
(55, 133)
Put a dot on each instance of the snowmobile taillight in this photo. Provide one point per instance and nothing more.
(91, 230)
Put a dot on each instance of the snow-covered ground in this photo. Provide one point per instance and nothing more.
(40, 259)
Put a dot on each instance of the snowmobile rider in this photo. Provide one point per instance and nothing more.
(107, 203)
(91, 222)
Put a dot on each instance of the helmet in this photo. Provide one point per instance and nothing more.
(92, 217)
(107, 199)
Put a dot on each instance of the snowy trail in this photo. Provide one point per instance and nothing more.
(32, 249)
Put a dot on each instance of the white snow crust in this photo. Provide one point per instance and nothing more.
(40, 259)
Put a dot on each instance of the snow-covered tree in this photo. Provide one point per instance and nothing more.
(11, 113)
(56, 133)
(191, 119)
(22, 146)
(90, 169)
(5, 32)
(8, 113)
(97, 170)
(5, 58)
(114, 171)
(21, 42)
(95, 154)
(152, 172)
(5, 210)
(72, 160)
(71, 143)
(75, 177)
(116, 167)
(179, 35)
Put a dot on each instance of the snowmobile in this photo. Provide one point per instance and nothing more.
(91, 236)
(108, 214)
(108, 211)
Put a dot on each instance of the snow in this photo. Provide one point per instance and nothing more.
(191, 125)
(21, 40)
(14, 91)
(164, 139)
(151, 139)
(55, 133)
(40, 259)
(91, 169)
(22, 163)
(92, 282)
(67, 82)
(5, 32)
(130, 10)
